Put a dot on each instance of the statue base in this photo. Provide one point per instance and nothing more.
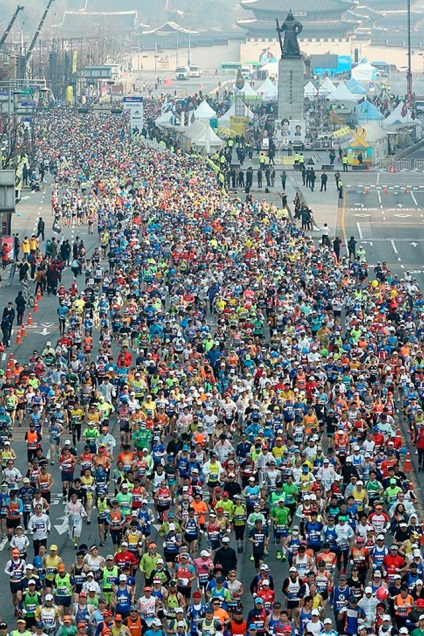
(290, 88)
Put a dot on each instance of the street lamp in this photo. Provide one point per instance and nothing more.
(409, 72)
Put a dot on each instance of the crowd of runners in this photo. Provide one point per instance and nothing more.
(222, 390)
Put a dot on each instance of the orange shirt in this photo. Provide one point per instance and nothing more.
(200, 509)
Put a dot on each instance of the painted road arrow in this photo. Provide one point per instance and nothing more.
(414, 244)
(64, 526)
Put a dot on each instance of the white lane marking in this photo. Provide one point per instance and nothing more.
(379, 198)
(359, 230)
(394, 247)
(414, 199)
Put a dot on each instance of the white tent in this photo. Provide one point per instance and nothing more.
(364, 72)
(327, 87)
(248, 92)
(343, 94)
(267, 90)
(224, 121)
(204, 111)
(201, 136)
(396, 117)
(310, 91)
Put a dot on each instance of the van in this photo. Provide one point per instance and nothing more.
(194, 70)
(246, 71)
(182, 73)
(419, 105)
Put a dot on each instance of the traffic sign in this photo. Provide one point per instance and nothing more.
(26, 91)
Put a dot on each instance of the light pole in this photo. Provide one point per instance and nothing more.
(409, 72)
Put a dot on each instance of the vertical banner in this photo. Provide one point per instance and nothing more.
(8, 246)
(136, 108)
(75, 62)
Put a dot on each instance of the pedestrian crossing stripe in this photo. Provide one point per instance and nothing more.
(374, 186)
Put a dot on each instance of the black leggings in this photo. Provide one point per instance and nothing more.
(342, 556)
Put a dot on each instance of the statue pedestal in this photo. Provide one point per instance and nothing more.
(290, 89)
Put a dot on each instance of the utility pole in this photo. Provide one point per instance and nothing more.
(409, 71)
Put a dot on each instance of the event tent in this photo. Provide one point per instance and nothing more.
(366, 112)
(343, 94)
(249, 93)
(355, 87)
(327, 87)
(364, 72)
(267, 90)
(310, 91)
(225, 121)
(399, 116)
(201, 136)
(204, 111)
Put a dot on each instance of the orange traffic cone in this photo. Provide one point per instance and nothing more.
(29, 318)
(23, 331)
(405, 191)
(35, 305)
(385, 190)
(18, 337)
(39, 295)
(9, 372)
(407, 464)
(367, 190)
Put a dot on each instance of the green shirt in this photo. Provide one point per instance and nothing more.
(148, 563)
(280, 516)
(291, 491)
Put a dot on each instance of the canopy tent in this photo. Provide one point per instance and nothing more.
(364, 72)
(367, 145)
(204, 111)
(366, 112)
(201, 136)
(267, 90)
(399, 116)
(343, 94)
(249, 93)
(355, 87)
(225, 120)
(310, 91)
(327, 87)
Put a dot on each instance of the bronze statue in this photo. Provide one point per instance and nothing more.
(291, 29)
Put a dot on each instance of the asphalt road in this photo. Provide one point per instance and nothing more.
(44, 328)
(385, 212)
(390, 225)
